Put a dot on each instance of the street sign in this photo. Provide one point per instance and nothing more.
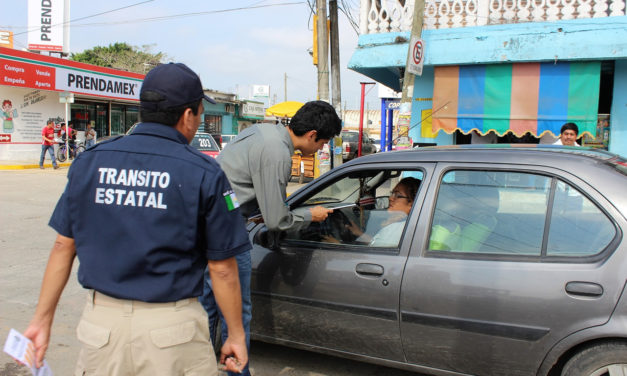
(5, 138)
(416, 56)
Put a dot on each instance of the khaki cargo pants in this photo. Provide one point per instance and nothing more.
(127, 337)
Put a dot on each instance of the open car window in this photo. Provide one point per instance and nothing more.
(364, 214)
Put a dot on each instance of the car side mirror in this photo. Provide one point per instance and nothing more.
(267, 239)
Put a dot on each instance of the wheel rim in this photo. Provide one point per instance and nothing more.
(611, 370)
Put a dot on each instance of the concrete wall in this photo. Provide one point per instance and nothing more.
(33, 109)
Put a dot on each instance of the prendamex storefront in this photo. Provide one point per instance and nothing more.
(30, 85)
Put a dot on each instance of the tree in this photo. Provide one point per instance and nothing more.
(121, 56)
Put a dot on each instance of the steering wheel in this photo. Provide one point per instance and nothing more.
(337, 226)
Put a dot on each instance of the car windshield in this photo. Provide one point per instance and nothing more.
(204, 142)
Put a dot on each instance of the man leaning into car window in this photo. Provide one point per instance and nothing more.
(258, 165)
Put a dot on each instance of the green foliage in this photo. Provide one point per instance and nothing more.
(121, 56)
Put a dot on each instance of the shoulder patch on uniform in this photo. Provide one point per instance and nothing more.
(231, 200)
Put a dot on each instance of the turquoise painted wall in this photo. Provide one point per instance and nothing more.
(228, 126)
(379, 56)
(423, 89)
(618, 115)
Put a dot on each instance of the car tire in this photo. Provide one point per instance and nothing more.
(606, 359)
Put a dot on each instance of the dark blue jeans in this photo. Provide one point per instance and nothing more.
(208, 301)
(50, 149)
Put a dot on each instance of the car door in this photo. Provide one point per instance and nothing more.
(339, 297)
(506, 263)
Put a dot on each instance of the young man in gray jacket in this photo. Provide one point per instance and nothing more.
(258, 164)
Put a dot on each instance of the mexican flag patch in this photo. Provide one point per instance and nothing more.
(231, 200)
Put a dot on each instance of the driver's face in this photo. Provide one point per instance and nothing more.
(399, 199)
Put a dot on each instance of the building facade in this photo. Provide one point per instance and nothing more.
(518, 68)
(33, 87)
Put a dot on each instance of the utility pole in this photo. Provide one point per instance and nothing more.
(404, 117)
(323, 51)
(285, 87)
(336, 96)
(416, 31)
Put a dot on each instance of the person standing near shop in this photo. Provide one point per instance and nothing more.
(164, 212)
(568, 135)
(258, 164)
(90, 136)
(47, 144)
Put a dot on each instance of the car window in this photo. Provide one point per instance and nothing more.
(504, 213)
(578, 227)
(364, 213)
(204, 142)
(349, 136)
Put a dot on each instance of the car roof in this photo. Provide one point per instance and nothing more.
(590, 165)
(508, 153)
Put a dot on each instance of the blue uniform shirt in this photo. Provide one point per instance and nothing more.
(147, 211)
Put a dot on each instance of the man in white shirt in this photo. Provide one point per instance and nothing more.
(568, 135)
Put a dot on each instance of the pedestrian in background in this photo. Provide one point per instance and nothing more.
(164, 212)
(90, 136)
(258, 164)
(47, 144)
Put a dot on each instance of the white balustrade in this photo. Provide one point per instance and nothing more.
(387, 16)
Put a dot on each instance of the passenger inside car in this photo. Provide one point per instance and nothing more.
(400, 203)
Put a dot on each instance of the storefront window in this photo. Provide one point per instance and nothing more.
(122, 117)
(117, 120)
(213, 124)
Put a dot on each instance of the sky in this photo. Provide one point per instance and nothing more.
(232, 45)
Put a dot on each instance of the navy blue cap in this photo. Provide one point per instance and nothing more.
(171, 85)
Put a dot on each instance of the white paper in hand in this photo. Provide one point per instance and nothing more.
(23, 350)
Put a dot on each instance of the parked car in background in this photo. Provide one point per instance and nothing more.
(350, 143)
(226, 138)
(512, 261)
(376, 141)
(206, 144)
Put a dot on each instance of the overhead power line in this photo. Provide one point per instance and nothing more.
(193, 14)
(86, 17)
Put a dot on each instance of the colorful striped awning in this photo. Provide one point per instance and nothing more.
(526, 97)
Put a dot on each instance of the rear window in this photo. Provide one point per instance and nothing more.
(204, 142)
(349, 136)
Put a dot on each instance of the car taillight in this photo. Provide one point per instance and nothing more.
(347, 147)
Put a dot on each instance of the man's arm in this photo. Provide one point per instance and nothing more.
(56, 276)
(270, 183)
(226, 288)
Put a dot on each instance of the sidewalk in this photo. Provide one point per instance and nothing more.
(23, 165)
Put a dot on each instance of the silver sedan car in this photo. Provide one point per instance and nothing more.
(493, 260)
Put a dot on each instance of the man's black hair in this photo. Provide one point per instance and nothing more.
(168, 116)
(570, 126)
(316, 116)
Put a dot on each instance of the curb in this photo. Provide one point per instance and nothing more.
(30, 166)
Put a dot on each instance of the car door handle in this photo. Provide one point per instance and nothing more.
(584, 288)
(369, 269)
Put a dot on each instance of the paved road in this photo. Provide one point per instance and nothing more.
(27, 198)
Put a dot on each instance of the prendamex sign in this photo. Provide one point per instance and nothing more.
(96, 84)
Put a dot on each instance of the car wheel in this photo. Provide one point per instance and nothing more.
(607, 359)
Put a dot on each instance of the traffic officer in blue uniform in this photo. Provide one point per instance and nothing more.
(145, 214)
